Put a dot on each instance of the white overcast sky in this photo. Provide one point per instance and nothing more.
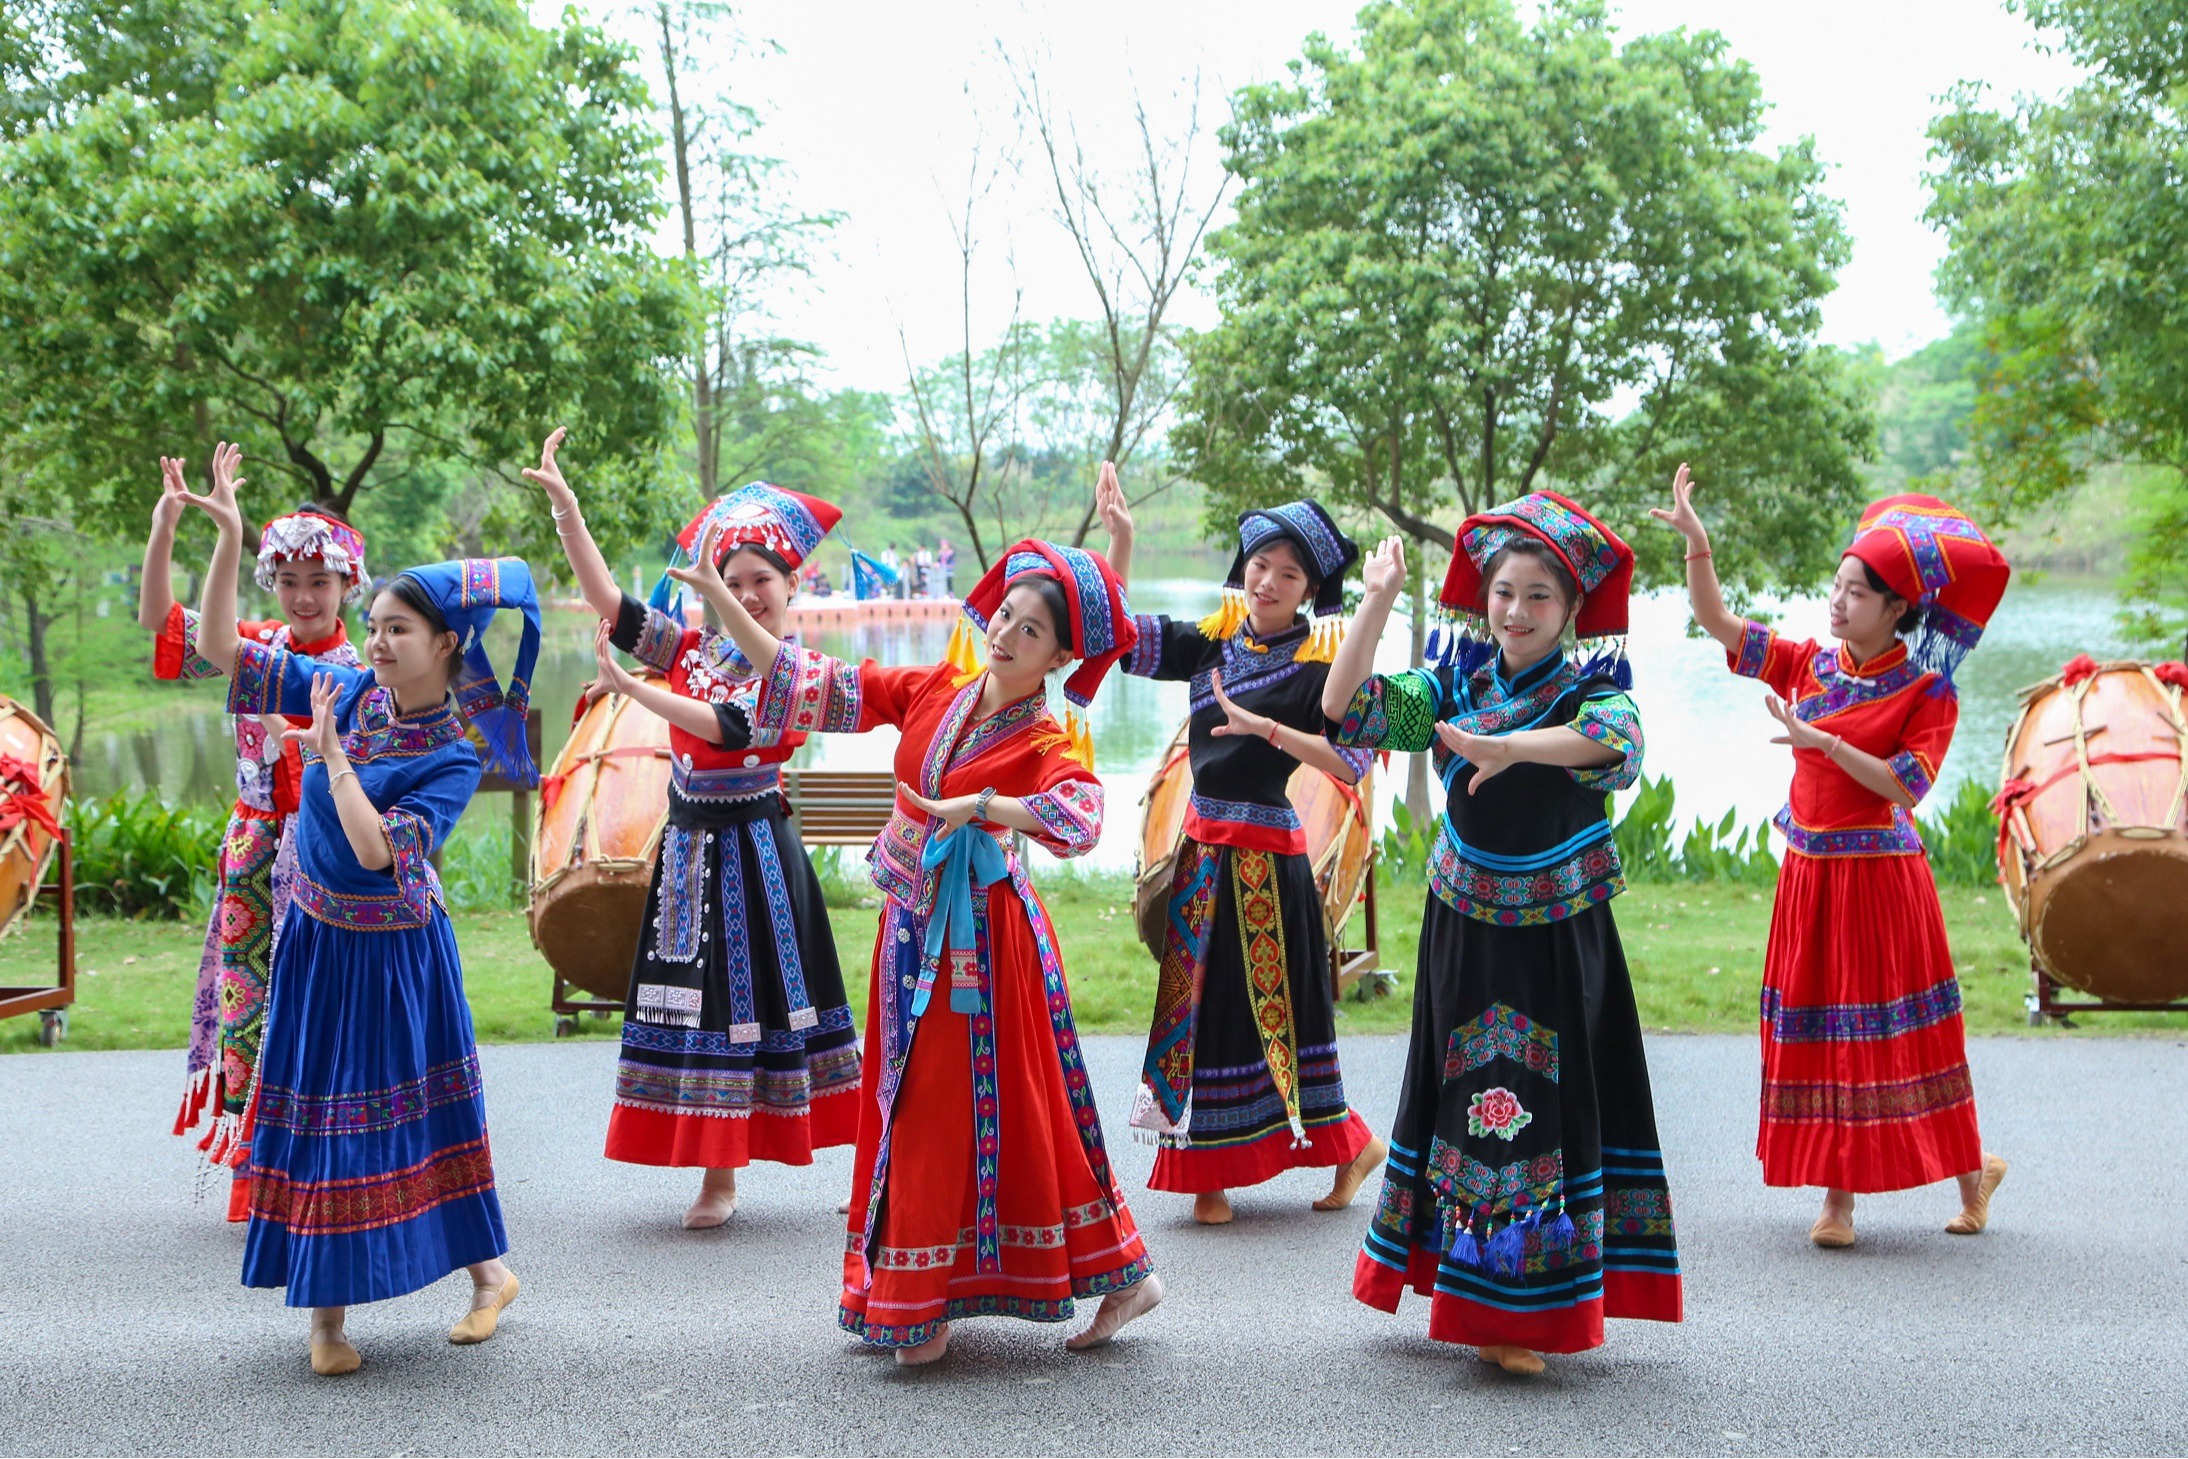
(874, 108)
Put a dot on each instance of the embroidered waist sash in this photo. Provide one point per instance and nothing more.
(966, 857)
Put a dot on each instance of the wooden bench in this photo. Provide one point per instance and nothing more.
(839, 807)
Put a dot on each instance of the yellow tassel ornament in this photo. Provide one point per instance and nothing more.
(1228, 618)
(1323, 640)
(963, 651)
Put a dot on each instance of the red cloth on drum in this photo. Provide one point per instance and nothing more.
(1865, 1075)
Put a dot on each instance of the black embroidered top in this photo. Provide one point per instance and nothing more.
(1240, 782)
(1533, 844)
(710, 785)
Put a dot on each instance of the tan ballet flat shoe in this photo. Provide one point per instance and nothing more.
(1975, 1215)
(333, 1356)
(1832, 1235)
(479, 1323)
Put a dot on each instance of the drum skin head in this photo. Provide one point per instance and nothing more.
(587, 928)
(2113, 921)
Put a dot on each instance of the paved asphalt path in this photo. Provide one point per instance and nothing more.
(123, 1329)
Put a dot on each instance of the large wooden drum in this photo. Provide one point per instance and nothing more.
(1340, 846)
(35, 771)
(2093, 833)
(602, 807)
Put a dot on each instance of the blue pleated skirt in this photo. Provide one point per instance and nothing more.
(370, 1173)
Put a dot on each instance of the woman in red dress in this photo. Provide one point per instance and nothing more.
(981, 1185)
(1865, 1069)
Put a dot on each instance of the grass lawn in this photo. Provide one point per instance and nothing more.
(1696, 952)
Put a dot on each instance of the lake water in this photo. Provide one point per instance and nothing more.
(1706, 729)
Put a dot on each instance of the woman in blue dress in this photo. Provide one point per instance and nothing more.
(369, 1168)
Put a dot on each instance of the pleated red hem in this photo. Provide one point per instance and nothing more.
(648, 1137)
(1638, 1296)
(239, 1197)
(1198, 1168)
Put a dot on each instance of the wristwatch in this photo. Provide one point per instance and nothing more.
(980, 804)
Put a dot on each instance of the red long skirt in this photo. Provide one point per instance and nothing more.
(1865, 1066)
(1063, 1235)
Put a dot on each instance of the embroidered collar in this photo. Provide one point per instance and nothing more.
(1012, 719)
(1527, 680)
(1489, 704)
(317, 646)
(1882, 677)
(1286, 640)
(1883, 663)
(380, 733)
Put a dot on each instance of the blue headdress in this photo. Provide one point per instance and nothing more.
(468, 591)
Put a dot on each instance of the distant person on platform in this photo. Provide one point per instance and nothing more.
(946, 561)
(924, 569)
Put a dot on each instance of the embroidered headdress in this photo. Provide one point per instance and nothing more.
(1600, 562)
(1932, 554)
(308, 534)
(789, 524)
(1325, 551)
(468, 591)
(1102, 630)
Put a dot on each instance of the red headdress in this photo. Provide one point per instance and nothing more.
(1932, 554)
(1599, 560)
(1102, 630)
(789, 524)
(309, 534)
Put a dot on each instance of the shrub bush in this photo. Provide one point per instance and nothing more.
(137, 856)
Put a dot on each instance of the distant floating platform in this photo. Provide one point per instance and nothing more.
(832, 611)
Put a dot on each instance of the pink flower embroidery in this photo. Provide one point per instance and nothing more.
(1497, 1112)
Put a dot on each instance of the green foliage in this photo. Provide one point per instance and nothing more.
(358, 237)
(137, 856)
(474, 868)
(2062, 219)
(1962, 837)
(1457, 245)
(1404, 848)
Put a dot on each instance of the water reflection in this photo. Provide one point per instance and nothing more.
(1706, 729)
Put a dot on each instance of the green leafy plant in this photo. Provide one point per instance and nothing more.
(137, 856)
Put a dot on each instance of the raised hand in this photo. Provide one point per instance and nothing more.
(1490, 755)
(953, 811)
(220, 502)
(1109, 501)
(705, 575)
(548, 476)
(1240, 721)
(614, 678)
(1682, 518)
(1384, 574)
(174, 493)
(1799, 733)
(320, 736)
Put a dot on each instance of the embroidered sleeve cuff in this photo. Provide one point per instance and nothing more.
(1754, 651)
(1070, 815)
(410, 837)
(809, 692)
(1360, 761)
(175, 652)
(1146, 655)
(1913, 776)
(1611, 721)
(647, 634)
(1390, 712)
(256, 687)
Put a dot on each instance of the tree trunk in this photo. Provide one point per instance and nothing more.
(1416, 773)
(35, 624)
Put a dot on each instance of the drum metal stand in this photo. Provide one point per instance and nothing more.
(2050, 1000)
(51, 1004)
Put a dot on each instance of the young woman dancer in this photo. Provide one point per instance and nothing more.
(370, 1175)
(1865, 1066)
(981, 1186)
(1526, 1195)
(1241, 1080)
(314, 565)
(737, 1038)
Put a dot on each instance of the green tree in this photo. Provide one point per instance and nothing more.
(1474, 257)
(2063, 219)
(356, 235)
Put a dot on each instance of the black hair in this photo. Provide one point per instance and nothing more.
(411, 593)
(322, 509)
(1910, 620)
(774, 559)
(1567, 587)
(1304, 558)
(1051, 594)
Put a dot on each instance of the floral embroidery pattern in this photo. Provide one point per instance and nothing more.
(1501, 1032)
(1859, 1022)
(1900, 838)
(1497, 1112)
(1866, 1104)
(1464, 1181)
